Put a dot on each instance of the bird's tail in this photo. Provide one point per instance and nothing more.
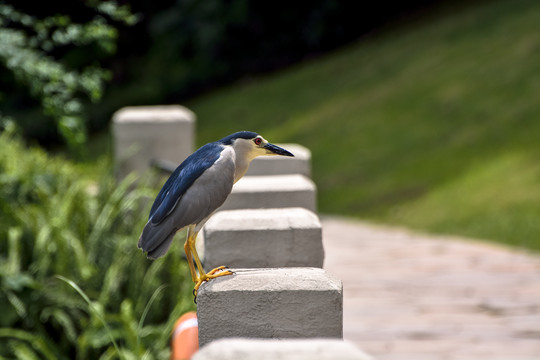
(155, 240)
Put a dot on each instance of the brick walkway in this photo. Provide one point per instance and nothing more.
(418, 297)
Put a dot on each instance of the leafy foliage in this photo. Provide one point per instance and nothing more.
(178, 49)
(34, 51)
(73, 283)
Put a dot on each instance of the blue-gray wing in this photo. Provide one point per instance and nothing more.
(200, 185)
(181, 179)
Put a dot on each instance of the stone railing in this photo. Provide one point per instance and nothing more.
(280, 302)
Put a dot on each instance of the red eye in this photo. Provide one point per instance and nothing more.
(257, 141)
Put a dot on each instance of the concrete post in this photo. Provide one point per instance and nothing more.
(282, 165)
(271, 349)
(280, 303)
(278, 191)
(147, 133)
(262, 238)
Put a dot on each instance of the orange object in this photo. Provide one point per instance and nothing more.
(185, 338)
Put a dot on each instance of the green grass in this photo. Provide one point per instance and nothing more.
(433, 125)
(72, 282)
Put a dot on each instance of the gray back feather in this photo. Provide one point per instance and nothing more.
(207, 193)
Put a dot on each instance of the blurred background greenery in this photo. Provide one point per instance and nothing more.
(421, 113)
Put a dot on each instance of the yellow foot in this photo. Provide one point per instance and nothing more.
(219, 268)
(212, 274)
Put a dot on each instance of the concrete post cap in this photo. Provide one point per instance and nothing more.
(270, 349)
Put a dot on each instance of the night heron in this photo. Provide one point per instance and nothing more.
(193, 193)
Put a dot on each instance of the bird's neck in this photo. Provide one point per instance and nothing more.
(240, 170)
(243, 157)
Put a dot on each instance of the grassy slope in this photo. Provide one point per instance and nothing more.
(434, 125)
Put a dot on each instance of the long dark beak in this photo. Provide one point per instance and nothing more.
(271, 148)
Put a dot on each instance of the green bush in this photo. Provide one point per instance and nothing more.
(64, 238)
(55, 59)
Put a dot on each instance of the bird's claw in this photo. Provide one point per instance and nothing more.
(212, 274)
(216, 270)
(194, 292)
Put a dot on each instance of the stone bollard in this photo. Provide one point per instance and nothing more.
(282, 303)
(270, 349)
(262, 238)
(277, 191)
(282, 165)
(143, 134)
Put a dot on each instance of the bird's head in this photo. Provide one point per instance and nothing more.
(248, 145)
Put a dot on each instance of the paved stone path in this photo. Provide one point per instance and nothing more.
(419, 297)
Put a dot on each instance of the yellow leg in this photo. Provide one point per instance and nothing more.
(187, 250)
(203, 276)
(192, 238)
